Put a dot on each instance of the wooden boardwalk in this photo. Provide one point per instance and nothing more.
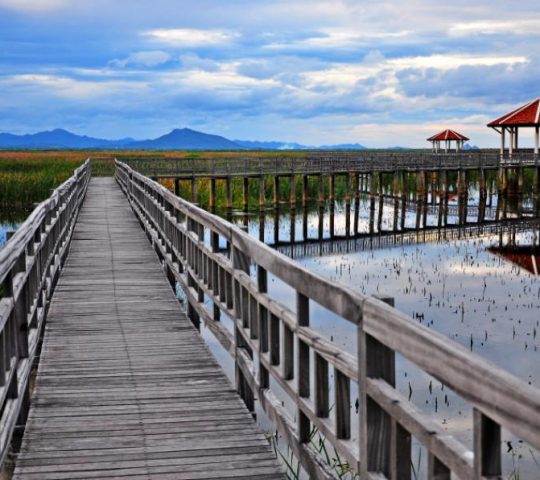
(126, 387)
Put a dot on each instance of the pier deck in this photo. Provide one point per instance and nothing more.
(126, 387)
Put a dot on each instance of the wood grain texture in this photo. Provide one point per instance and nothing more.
(126, 387)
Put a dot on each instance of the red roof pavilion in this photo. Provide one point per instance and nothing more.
(527, 115)
(447, 136)
(525, 257)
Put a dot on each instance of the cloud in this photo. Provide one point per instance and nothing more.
(337, 39)
(494, 27)
(150, 58)
(66, 87)
(449, 62)
(33, 5)
(190, 37)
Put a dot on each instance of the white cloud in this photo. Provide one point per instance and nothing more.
(69, 88)
(449, 62)
(150, 58)
(345, 76)
(190, 37)
(492, 27)
(337, 39)
(33, 5)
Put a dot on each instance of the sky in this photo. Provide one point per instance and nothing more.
(379, 73)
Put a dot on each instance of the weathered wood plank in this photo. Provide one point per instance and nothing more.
(126, 387)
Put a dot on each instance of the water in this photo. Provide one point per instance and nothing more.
(466, 288)
(11, 217)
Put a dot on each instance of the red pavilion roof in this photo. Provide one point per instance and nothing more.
(448, 135)
(527, 115)
(525, 257)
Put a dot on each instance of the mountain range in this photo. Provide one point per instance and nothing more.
(177, 139)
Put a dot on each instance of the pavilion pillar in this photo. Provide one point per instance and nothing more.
(511, 141)
(516, 138)
(446, 146)
(503, 140)
(536, 139)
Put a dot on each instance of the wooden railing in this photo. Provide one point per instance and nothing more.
(30, 263)
(272, 341)
(325, 163)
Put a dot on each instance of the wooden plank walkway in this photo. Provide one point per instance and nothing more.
(126, 387)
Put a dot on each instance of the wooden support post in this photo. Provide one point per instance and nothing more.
(245, 193)
(264, 333)
(433, 187)
(305, 231)
(194, 192)
(228, 188)
(261, 192)
(276, 191)
(305, 191)
(482, 181)
(262, 218)
(332, 219)
(521, 180)
(292, 237)
(347, 189)
(332, 196)
(356, 186)
(241, 262)
(320, 185)
(302, 313)
(177, 187)
(212, 203)
(385, 447)
(292, 192)
(276, 226)
(214, 243)
(321, 224)
(502, 180)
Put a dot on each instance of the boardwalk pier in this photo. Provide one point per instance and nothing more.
(126, 388)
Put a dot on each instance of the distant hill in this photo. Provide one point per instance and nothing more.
(186, 139)
(274, 145)
(271, 145)
(57, 138)
(177, 139)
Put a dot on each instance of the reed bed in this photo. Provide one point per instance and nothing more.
(25, 180)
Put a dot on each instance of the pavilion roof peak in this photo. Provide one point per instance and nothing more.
(447, 134)
(527, 115)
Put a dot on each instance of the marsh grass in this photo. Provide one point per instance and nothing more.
(24, 181)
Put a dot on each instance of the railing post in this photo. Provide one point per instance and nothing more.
(240, 261)
(487, 447)
(385, 447)
(302, 316)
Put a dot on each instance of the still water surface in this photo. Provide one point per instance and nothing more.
(469, 289)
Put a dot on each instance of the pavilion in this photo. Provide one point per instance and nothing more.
(527, 115)
(448, 136)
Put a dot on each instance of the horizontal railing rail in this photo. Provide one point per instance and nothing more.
(274, 345)
(30, 263)
(326, 163)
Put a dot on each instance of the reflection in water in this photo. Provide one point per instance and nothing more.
(10, 219)
(468, 273)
